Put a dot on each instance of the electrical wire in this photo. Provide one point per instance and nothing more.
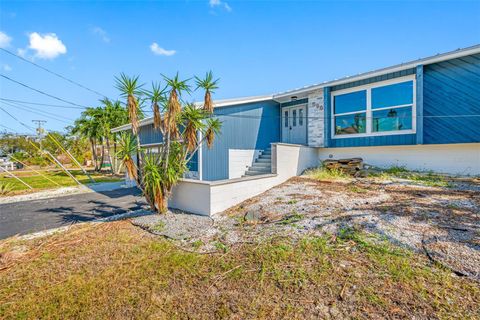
(41, 92)
(54, 73)
(43, 104)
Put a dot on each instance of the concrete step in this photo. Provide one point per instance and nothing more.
(255, 173)
(264, 160)
(261, 164)
(259, 170)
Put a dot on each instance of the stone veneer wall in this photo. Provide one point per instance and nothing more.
(316, 117)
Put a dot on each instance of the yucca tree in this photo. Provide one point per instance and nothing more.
(130, 88)
(127, 146)
(157, 98)
(209, 85)
(184, 127)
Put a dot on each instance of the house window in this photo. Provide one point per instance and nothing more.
(286, 119)
(392, 107)
(300, 117)
(350, 113)
(376, 109)
(294, 116)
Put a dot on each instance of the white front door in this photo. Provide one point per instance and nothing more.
(294, 124)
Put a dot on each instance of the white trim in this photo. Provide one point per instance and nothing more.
(369, 111)
(156, 144)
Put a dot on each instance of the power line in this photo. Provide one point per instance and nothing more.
(35, 110)
(43, 104)
(23, 124)
(42, 92)
(54, 73)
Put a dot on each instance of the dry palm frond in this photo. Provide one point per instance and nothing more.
(213, 128)
(132, 112)
(190, 136)
(131, 169)
(157, 117)
(210, 136)
(208, 105)
(209, 85)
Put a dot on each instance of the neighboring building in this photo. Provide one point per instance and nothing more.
(424, 115)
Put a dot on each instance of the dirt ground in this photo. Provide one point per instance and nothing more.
(307, 249)
(440, 222)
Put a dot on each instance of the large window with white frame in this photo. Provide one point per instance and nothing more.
(381, 108)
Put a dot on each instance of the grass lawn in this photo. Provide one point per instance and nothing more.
(118, 271)
(39, 182)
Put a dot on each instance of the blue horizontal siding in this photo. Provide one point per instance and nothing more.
(451, 101)
(246, 126)
(149, 135)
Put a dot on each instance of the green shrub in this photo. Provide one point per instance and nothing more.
(6, 188)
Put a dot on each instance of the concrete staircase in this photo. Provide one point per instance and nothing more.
(263, 164)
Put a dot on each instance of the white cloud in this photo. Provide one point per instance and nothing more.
(220, 3)
(156, 49)
(4, 40)
(101, 33)
(47, 46)
(6, 67)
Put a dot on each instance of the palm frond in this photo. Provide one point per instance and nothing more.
(209, 85)
(213, 128)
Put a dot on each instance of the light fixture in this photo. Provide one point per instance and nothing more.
(294, 98)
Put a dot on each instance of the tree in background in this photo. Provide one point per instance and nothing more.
(184, 128)
(95, 125)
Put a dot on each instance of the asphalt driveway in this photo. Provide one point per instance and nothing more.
(37, 215)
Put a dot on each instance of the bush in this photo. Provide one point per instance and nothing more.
(6, 188)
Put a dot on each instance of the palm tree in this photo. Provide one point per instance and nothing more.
(180, 128)
(131, 89)
(127, 147)
(156, 96)
(208, 84)
(89, 126)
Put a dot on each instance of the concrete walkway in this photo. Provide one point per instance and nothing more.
(36, 215)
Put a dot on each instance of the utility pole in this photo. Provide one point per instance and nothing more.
(40, 130)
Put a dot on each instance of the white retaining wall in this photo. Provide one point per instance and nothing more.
(210, 197)
(239, 160)
(458, 159)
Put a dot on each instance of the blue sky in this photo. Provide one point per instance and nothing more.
(254, 47)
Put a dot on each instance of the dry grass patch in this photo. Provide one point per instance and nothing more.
(117, 271)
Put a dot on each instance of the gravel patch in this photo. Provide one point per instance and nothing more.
(441, 222)
(177, 225)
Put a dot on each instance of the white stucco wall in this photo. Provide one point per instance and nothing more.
(239, 160)
(210, 197)
(458, 159)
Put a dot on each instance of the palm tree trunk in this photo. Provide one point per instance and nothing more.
(107, 140)
(102, 157)
(94, 156)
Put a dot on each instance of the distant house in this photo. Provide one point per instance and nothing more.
(423, 115)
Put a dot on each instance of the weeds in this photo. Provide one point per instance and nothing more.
(6, 188)
(130, 275)
(327, 174)
(292, 218)
(159, 227)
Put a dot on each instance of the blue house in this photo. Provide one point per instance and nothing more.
(423, 115)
